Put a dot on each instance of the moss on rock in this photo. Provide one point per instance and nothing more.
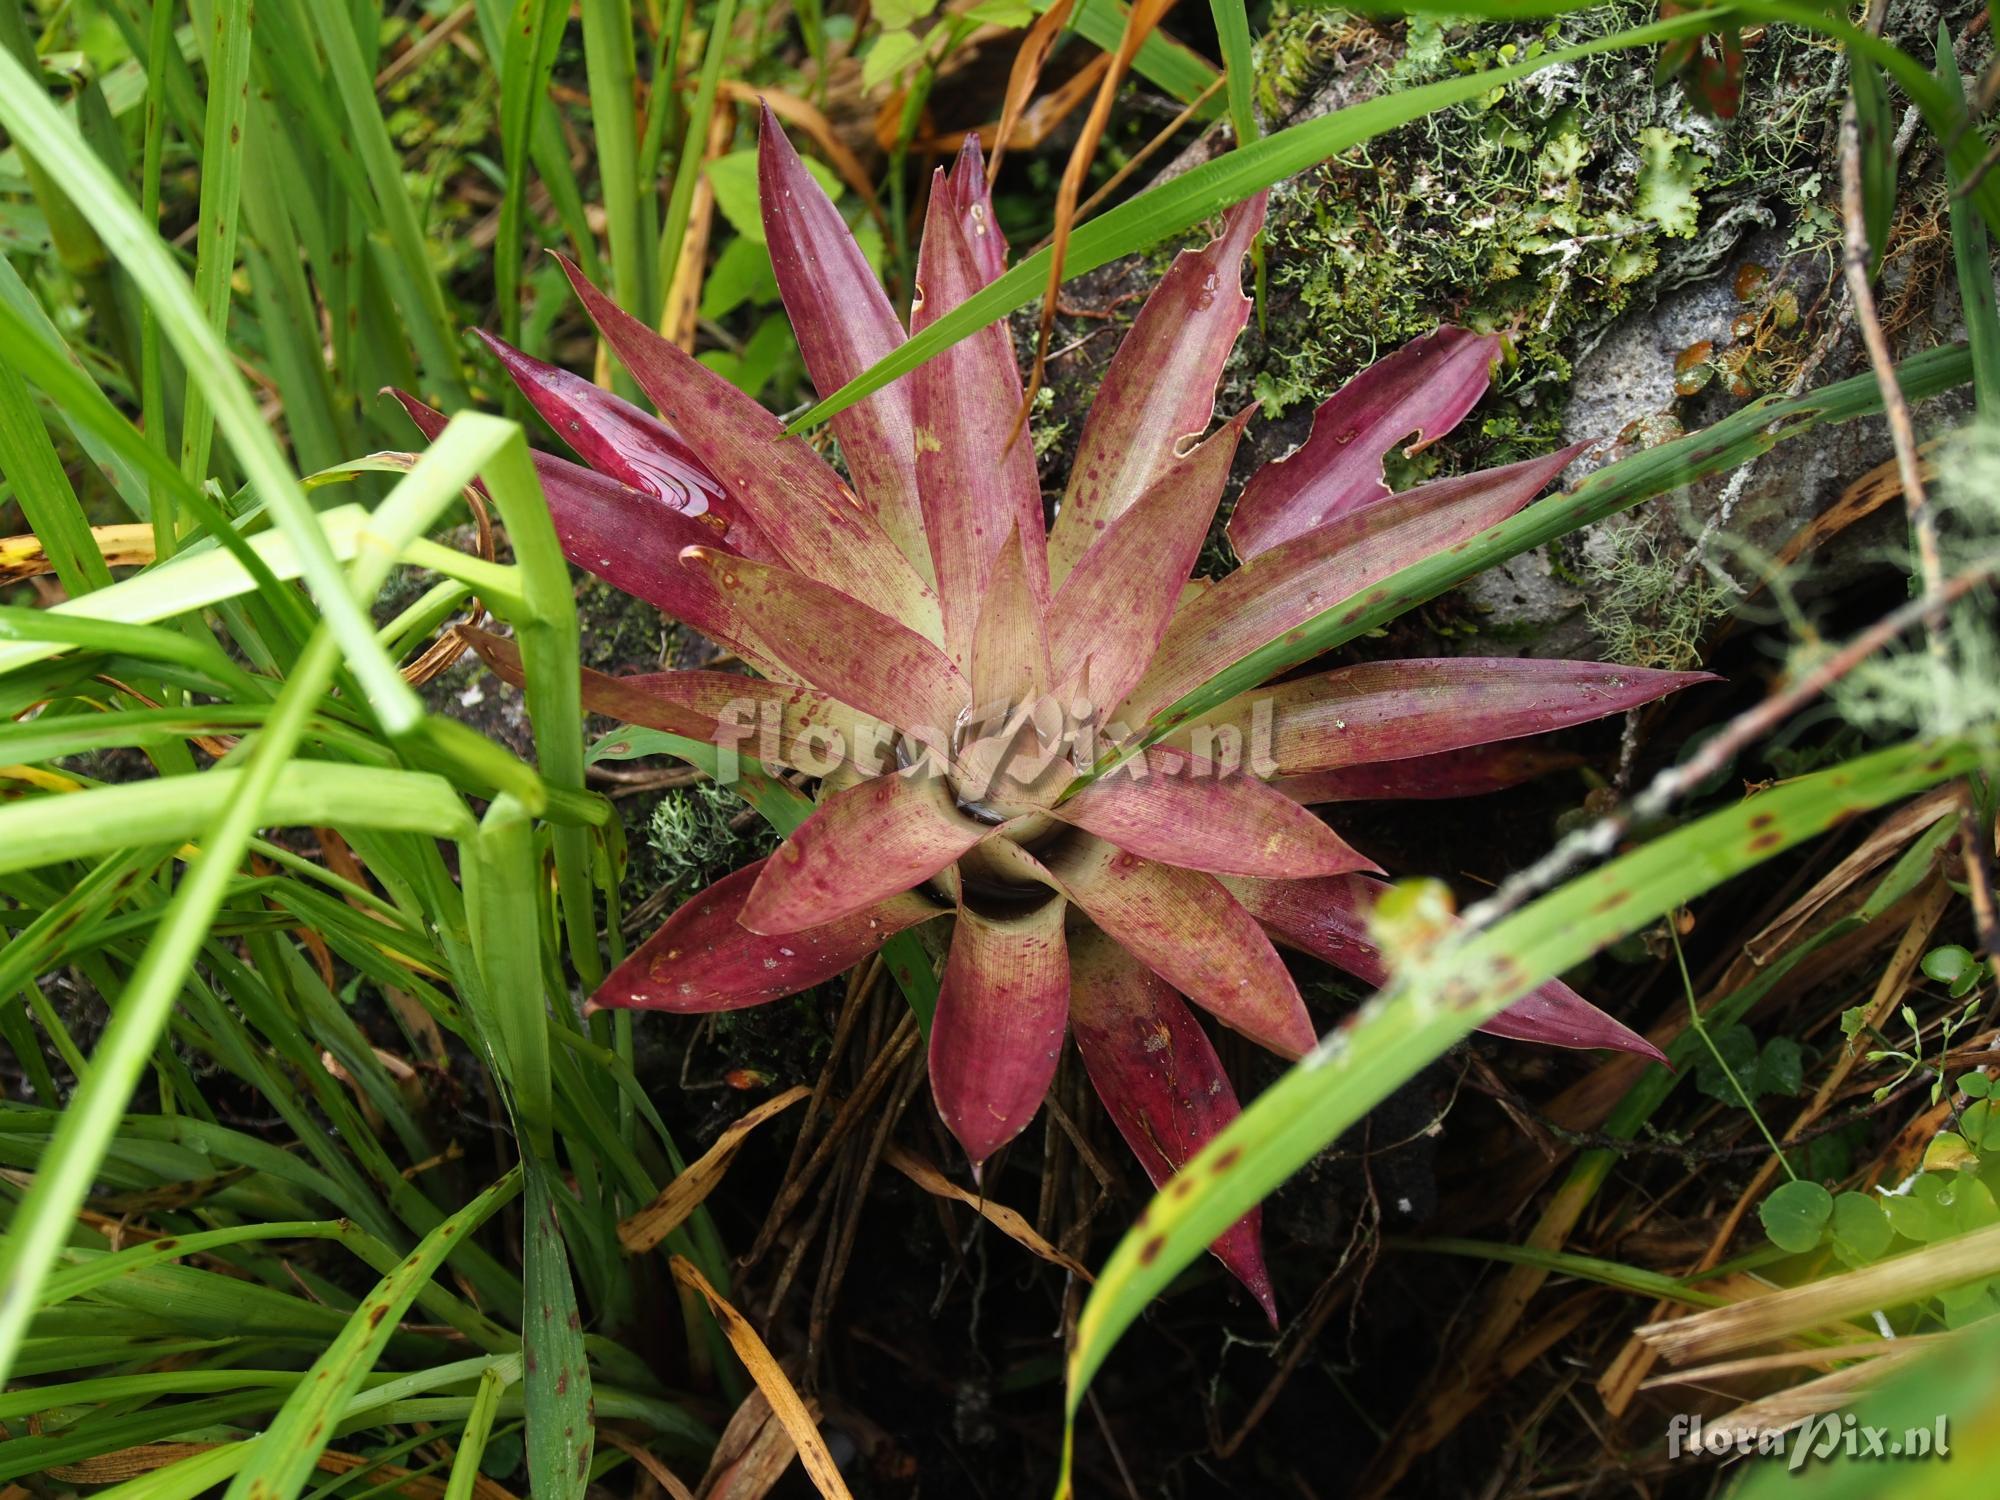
(1542, 211)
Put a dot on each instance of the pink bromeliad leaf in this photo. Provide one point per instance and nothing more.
(1329, 919)
(975, 478)
(1187, 928)
(631, 540)
(772, 721)
(1425, 388)
(1296, 580)
(997, 1036)
(1158, 1075)
(840, 645)
(969, 197)
(861, 846)
(1159, 391)
(624, 443)
(844, 324)
(1114, 606)
(1391, 710)
(796, 501)
(1009, 659)
(704, 959)
(1471, 772)
(1166, 805)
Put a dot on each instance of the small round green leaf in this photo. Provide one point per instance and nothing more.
(1861, 1227)
(1795, 1214)
(1945, 965)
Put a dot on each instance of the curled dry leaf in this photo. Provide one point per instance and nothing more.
(1001, 1217)
(684, 1194)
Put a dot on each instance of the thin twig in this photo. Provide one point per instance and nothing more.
(1715, 754)
(1916, 499)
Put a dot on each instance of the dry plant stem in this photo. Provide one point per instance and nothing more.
(859, 988)
(843, 1249)
(901, 1044)
(1716, 752)
(1916, 499)
(1052, 1137)
(802, 1241)
(1139, 24)
(1022, 77)
(1146, 152)
(645, 1459)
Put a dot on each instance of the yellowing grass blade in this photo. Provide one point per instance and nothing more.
(772, 1381)
(685, 1193)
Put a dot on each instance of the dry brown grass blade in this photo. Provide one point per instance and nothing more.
(1859, 500)
(1037, 123)
(1024, 75)
(438, 35)
(1800, 1309)
(1146, 152)
(800, 113)
(772, 1381)
(753, 1454)
(1831, 1392)
(665, 1477)
(682, 308)
(1139, 24)
(23, 557)
(1792, 1359)
(684, 1194)
(1889, 839)
(1002, 1218)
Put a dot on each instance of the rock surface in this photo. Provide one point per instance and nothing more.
(1654, 269)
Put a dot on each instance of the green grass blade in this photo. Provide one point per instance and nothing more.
(422, 299)
(39, 126)
(502, 872)
(115, 445)
(1876, 132)
(83, 825)
(1232, 32)
(286, 1455)
(41, 1224)
(228, 53)
(527, 61)
(28, 460)
(28, 335)
(1972, 258)
(160, 55)
(611, 63)
(1183, 73)
(561, 1429)
(1440, 999)
(191, 581)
